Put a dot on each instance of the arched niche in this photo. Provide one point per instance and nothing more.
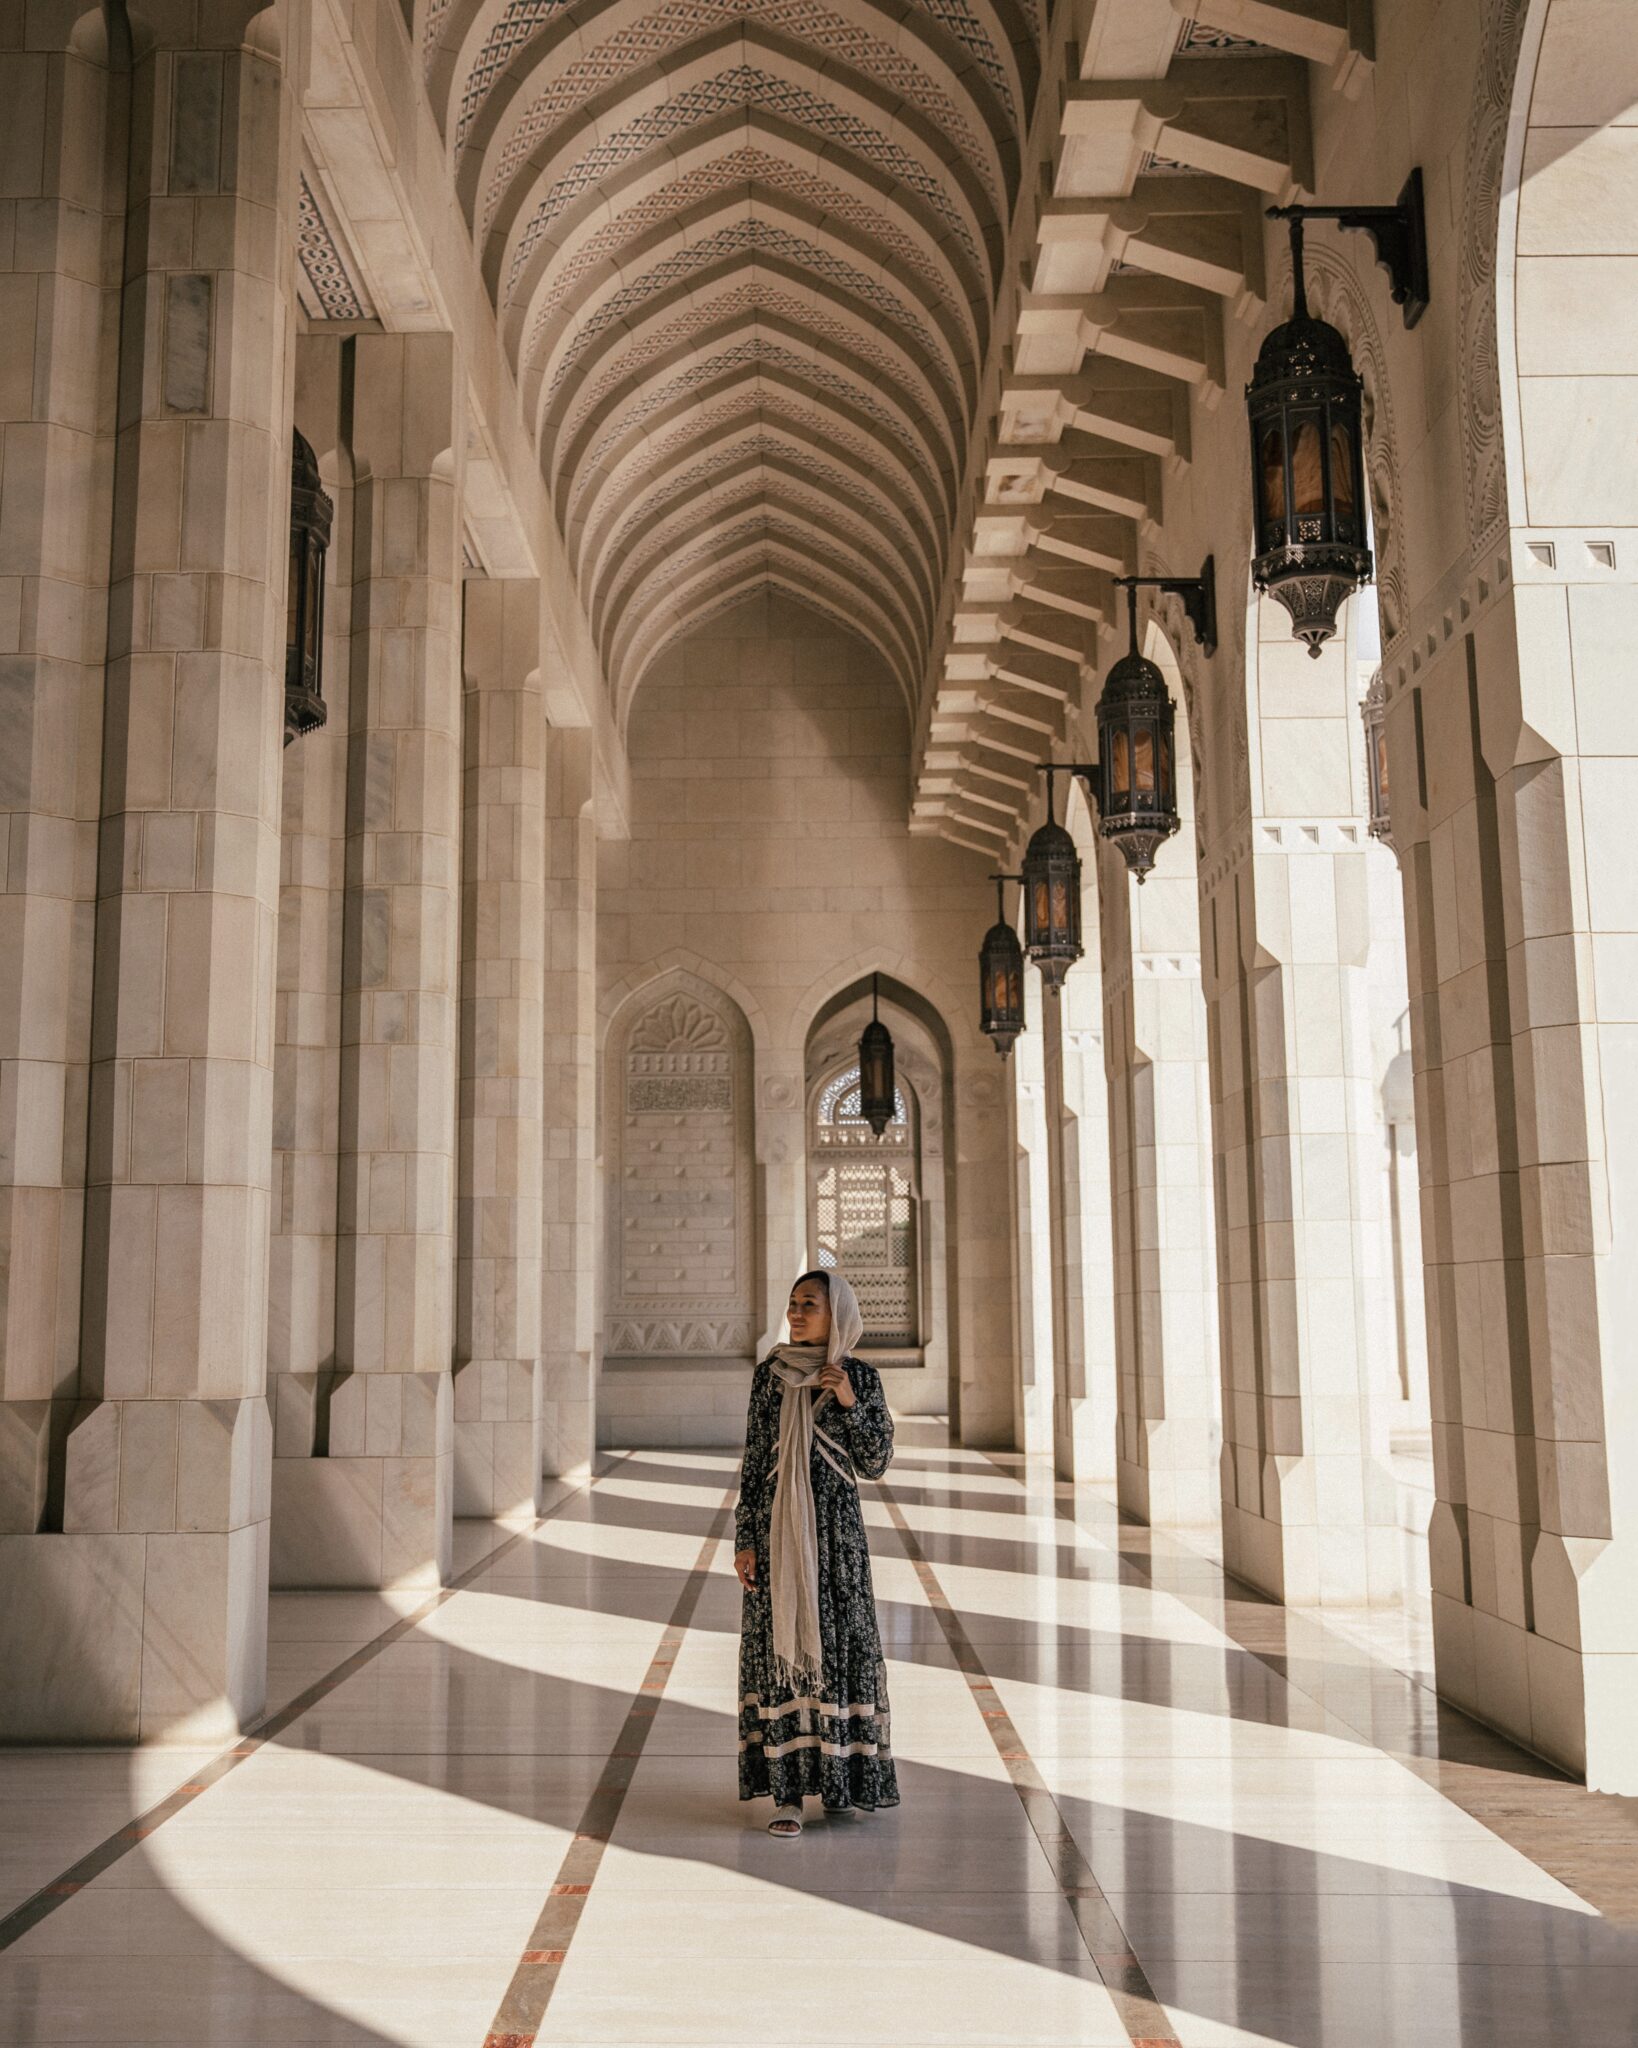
(680, 1285)
(916, 1375)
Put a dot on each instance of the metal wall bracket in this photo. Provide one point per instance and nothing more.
(1199, 595)
(1399, 233)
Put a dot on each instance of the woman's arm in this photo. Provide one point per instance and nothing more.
(759, 1455)
(867, 1427)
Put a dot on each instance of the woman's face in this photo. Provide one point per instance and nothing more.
(809, 1313)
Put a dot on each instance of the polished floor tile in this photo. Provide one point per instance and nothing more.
(1137, 1805)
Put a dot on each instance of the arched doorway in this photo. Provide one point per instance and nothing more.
(863, 1207)
(878, 1207)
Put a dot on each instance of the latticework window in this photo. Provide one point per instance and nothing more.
(865, 1211)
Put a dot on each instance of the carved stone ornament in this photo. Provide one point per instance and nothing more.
(680, 1025)
(680, 1244)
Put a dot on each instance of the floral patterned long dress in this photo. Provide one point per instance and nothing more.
(835, 1747)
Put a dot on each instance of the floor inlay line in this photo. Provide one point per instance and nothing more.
(1122, 1975)
(522, 2010)
(70, 1882)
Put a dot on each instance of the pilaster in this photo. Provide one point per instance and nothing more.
(1165, 1316)
(1090, 1369)
(387, 1484)
(1309, 1505)
(568, 1279)
(301, 1335)
(503, 935)
(59, 304)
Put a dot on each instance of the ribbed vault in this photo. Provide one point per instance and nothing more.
(744, 256)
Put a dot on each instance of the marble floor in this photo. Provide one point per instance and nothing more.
(1139, 1807)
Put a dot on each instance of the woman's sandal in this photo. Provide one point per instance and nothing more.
(786, 1823)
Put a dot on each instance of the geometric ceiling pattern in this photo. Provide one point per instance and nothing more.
(744, 257)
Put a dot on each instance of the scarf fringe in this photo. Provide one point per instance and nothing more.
(800, 1681)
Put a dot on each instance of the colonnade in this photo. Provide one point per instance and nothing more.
(299, 1138)
(298, 1061)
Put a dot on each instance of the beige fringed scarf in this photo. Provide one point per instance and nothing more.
(793, 1537)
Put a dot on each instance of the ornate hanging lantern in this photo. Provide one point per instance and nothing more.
(1135, 782)
(1373, 713)
(1306, 405)
(878, 1094)
(1001, 977)
(310, 516)
(1052, 897)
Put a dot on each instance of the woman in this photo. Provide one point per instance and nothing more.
(813, 1714)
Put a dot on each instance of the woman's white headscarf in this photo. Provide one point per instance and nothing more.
(793, 1535)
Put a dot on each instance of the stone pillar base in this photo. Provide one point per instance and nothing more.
(379, 1510)
(29, 1432)
(1573, 1707)
(1332, 1539)
(568, 1420)
(145, 1618)
(1092, 1434)
(126, 1638)
(497, 1462)
(1176, 1485)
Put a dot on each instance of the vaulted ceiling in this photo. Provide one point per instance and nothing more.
(744, 255)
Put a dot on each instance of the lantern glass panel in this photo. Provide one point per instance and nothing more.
(295, 584)
(1120, 766)
(1143, 755)
(1344, 482)
(313, 614)
(1271, 469)
(1307, 474)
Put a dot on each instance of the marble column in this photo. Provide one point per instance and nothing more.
(1515, 779)
(147, 1615)
(390, 1480)
(1067, 1361)
(1039, 1303)
(503, 934)
(1165, 1312)
(984, 1253)
(1089, 1254)
(568, 1278)
(301, 1332)
(1308, 1502)
(56, 450)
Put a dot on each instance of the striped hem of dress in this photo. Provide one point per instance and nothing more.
(806, 1703)
(755, 1739)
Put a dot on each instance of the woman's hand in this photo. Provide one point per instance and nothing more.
(834, 1379)
(745, 1566)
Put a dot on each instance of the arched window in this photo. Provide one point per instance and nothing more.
(864, 1209)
